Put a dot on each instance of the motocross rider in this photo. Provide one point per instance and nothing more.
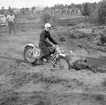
(44, 44)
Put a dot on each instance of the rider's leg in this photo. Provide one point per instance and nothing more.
(45, 52)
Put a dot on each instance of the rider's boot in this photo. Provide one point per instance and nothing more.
(40, 60)
(43, 59)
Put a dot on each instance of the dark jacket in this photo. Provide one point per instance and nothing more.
(43, 39)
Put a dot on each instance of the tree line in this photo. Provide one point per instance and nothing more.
(96, 9)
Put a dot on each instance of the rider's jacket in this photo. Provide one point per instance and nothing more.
(44, 35)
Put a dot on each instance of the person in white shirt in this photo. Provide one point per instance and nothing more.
(11, 22)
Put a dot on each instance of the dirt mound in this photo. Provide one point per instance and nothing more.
(78, 34)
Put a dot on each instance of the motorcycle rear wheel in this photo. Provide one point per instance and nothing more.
(28, 55)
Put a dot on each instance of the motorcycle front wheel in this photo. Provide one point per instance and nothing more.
(28, 55)
(63, 63)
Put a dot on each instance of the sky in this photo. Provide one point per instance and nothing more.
(42, 3)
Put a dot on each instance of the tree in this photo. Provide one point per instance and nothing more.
(86, 9)
(72, 5)
(33, 8)
(94, 7)
(102, 12)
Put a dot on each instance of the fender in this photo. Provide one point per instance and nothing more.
(62, 55)
(30, 44)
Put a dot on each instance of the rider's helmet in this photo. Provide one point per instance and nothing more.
(47, 25)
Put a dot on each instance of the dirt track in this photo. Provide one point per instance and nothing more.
(24, 84)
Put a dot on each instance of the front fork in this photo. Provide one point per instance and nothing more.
(54, 61)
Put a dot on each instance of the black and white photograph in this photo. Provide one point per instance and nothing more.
(53, 52)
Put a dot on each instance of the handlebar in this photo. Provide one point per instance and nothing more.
(55, 47)
(58, 49)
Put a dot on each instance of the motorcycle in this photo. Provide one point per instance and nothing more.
(32, 54)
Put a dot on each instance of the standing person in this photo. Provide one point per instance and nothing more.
(11, 22)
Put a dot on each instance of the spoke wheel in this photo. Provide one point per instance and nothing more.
(63, 63)
(28, 55)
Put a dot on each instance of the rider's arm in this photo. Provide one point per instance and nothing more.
(52, 40)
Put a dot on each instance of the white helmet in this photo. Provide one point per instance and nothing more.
(47, 25)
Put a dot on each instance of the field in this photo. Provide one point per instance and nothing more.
(24, 84)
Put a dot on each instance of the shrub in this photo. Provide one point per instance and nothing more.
(78, 35)
(62, 39)
(93, 18)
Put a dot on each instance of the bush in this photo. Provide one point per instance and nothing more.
(93, 18)
(78, 35)
(62, 39)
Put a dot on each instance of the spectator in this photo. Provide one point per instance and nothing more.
(11, 22)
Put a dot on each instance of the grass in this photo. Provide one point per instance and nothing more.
(21, 73)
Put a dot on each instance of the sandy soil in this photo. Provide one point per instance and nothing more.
(24, 84)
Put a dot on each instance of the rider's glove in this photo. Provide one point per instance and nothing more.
(55, 46)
